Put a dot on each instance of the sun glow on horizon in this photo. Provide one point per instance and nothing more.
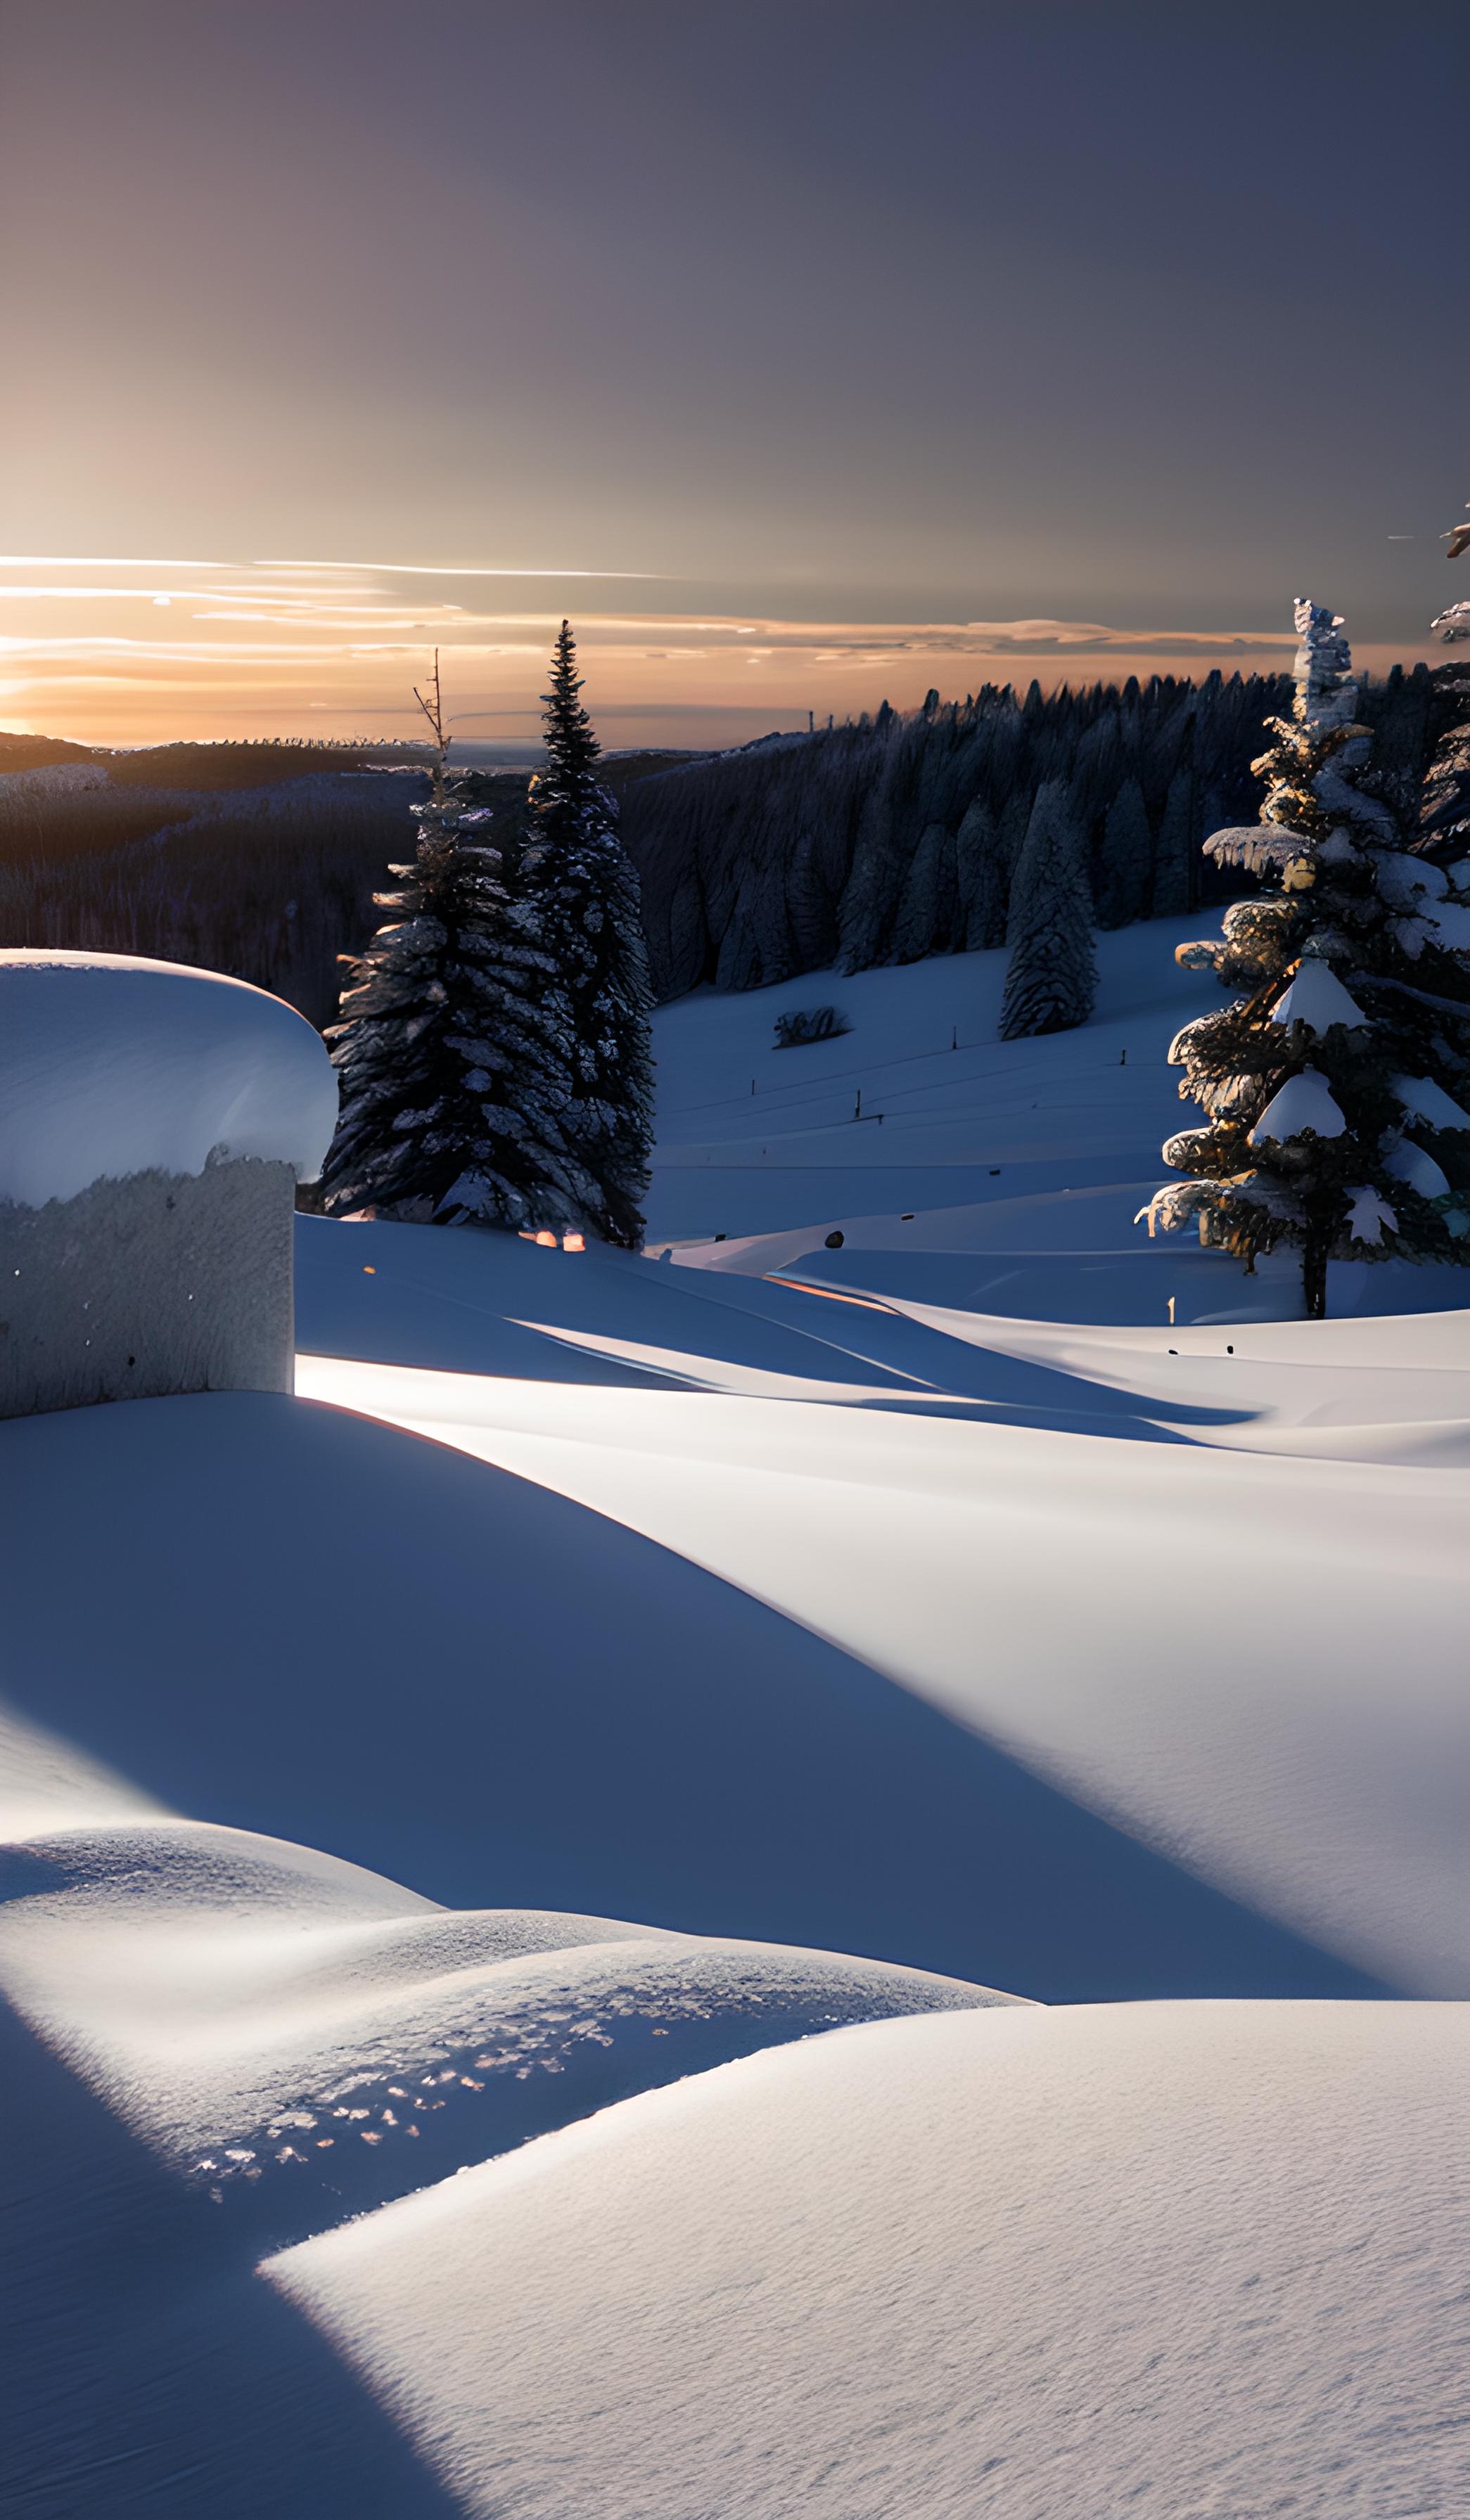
(338, 641)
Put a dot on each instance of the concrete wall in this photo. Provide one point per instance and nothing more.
(157, 1283)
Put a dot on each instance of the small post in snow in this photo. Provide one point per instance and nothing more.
(857, 1106)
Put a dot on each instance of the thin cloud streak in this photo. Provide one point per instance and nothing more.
(341, 643)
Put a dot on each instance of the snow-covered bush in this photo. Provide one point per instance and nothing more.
(809, 1023)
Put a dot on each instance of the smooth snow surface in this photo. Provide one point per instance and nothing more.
(1048, 2265)
(517, 1844)
(110, 1065)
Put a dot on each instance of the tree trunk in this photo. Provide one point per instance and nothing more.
(1315, 1276)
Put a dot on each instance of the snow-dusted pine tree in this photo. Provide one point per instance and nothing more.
(583, 894)
(453, 1057)
(1335, 1086)
(1052, 977)
(1127, 858)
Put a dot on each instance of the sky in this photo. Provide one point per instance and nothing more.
(803, 354)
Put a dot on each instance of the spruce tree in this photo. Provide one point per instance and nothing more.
(1173, 856)
(1052, 977)
(982, 881)
(583, 895)
(1128, 857)
(1335, 1086)
(453, 1060)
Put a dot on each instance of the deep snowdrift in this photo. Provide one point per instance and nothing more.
(936, 1599)
(1037, 2266)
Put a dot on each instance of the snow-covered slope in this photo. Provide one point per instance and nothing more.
(1000, 1176)
(1036, 2265)
(746, 1664)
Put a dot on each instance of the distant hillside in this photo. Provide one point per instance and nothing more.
(897, 838)
(884, 841)
(38, 753)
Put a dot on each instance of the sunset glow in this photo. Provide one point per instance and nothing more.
(331, 648)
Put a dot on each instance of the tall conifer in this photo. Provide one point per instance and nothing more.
(452, 1054)
(1335, 1087)
(582, 896)
(1052, 977)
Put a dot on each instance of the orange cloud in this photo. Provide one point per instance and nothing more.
(156, 650)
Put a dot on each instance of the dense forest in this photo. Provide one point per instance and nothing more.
(882, 840)
(898, 836)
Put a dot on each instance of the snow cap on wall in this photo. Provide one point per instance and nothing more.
(112, 1065)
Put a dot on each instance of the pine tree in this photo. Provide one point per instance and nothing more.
(1052, 977)
(1334, 1086)
(454, 1065)
(1173, 856)
(583, 895)
(1127, 859)
(980, 878)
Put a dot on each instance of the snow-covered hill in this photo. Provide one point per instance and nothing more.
(511, 1854)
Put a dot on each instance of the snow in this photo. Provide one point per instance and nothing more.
(1409, 1163)
(1369, 1215)
(1317, 999)
(116, 1065)
(922, 1534)
(626, 1722)
(1305, 1101)
(1425, 1099)
(247, 2005)
(1168, 2259)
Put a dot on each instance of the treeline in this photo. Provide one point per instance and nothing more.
(899, 837)
(884, 840)
(269, 884)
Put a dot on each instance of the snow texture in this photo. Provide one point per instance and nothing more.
(113, 1067)
(1168, 2259)
(1368, 1216)
(1324, 665)
(680, 1633)
(1259, 847)
(1410, 1164)
(1425, 1099)
(1305, 1101)
(1317, 999)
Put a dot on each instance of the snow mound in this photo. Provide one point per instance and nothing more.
(115, 1065)
(1169, 2259)
(274, 2020)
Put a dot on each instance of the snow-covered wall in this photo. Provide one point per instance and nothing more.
(154, 1122)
